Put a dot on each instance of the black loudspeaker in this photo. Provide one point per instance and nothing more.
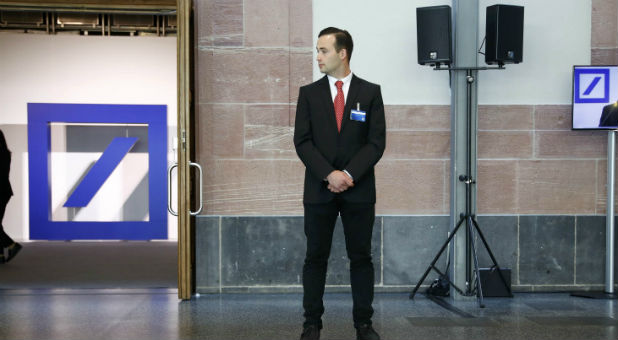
(504, 31)
(433, 34)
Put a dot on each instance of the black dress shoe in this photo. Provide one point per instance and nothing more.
(311, 332)
(366, 332)
(13, 250)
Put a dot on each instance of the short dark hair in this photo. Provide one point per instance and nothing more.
(343, 39)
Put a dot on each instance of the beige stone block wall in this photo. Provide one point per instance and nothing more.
(251, 58)
(536, 164)
(604, 37)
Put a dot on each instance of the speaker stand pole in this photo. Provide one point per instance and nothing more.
(473, 287)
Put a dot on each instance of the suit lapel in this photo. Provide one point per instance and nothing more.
(351, 101)
(327, 101)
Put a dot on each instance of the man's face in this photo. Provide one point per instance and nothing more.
(329, 60)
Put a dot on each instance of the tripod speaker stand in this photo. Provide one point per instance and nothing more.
(468, 217)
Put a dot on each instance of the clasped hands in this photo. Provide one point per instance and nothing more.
(339, 181)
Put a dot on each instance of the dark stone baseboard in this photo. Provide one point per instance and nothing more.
(265, 253)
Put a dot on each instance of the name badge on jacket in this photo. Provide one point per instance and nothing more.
(358, 115)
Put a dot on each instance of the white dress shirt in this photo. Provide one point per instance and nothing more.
(333, 92)
(346, 86)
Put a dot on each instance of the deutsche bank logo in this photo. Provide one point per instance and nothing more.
(94, 179)
(591, 85)
(42, 226)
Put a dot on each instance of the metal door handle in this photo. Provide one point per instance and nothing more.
(169, 180)
(193, 213)
(169, 200)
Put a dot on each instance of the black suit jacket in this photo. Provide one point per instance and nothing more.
(357, 148)
(609, 117)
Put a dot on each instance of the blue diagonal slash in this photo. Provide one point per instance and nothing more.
(594, 83)
(100, 171)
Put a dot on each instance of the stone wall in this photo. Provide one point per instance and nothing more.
(252, 57)
(265, 253)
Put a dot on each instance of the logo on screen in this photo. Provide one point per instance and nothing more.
(591, 86)
(43, 225)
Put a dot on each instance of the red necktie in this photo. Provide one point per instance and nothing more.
(339, 104)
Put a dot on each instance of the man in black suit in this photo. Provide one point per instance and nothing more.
(609, 117)
(340, 134)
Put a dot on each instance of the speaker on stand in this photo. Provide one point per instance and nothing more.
(433, 33)
(504, 34)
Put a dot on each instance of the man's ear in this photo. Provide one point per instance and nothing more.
(343, 54)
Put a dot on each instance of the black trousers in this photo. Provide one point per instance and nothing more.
(5, 240)
(320, 219)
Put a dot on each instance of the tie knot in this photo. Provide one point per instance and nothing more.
(339, 84)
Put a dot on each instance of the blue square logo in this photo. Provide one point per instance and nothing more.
(42, 225)
(591, 85)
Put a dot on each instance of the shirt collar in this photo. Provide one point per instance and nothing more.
(346, 80)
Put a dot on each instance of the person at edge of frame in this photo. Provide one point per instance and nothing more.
(6, 192)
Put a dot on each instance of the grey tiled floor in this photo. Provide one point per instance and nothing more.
(158, 314)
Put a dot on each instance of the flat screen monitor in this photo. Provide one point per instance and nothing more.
(595, 97)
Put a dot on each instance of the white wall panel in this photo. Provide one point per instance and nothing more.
(556, 36)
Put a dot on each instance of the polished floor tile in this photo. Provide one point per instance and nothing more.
(158, 314)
